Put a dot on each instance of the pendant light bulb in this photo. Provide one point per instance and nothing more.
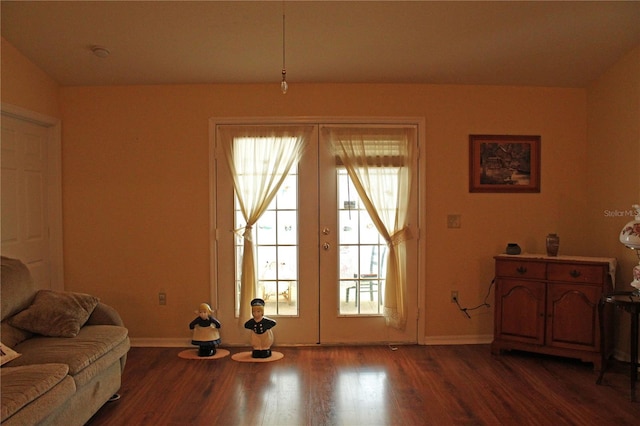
(284, 86)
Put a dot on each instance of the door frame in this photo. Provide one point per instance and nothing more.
(54, 186)
(420, 122)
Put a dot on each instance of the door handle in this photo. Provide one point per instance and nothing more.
(325, 231)
(326, 246)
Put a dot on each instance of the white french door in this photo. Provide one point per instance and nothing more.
(320, 263)
(353, 258)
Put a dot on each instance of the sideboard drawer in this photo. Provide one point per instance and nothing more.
(521, 269)
(576, 272)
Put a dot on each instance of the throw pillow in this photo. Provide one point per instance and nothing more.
(7, 354)
(13, 336)
(56, 314)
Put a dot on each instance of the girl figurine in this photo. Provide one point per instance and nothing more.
(205, 331)
(262, 336)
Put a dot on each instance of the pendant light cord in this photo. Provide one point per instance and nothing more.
(283, 38)
(284, 86)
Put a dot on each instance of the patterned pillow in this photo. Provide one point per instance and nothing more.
(56, 314)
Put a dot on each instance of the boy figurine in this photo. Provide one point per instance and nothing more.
(205, 331)
(262, 336)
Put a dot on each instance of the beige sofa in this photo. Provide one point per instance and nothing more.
(69, 348)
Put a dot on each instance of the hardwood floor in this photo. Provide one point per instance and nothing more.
(369, 385)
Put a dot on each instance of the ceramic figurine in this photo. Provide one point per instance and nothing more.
(261, 336)
(205, 331)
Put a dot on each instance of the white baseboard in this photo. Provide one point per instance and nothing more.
(174, 342)
(151, 342)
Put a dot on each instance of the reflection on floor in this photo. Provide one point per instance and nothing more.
(368, 386)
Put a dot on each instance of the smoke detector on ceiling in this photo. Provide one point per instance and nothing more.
(100, 51)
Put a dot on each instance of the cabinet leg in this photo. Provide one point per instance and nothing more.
(633, 362)
(496, 350)
(603, 345)
(603, 368)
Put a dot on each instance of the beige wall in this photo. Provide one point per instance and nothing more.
(614, 167)
(135, 179)
(135, 188)
(25, 85)
(614, 154)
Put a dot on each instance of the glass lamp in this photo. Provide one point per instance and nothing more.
(630, 237)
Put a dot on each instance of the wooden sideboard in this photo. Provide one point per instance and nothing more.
(549, 305)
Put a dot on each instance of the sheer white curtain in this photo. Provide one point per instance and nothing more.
(380, 162)
(259, 157)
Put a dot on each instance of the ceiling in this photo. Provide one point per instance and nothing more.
(532, 43)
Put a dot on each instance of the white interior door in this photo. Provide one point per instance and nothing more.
(25, 230)
(298, 275)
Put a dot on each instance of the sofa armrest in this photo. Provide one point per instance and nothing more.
(105, 315)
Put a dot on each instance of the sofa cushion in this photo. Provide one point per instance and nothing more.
(21, 386)
(56, 314)
(11, 335)
(91, 343)
(18, 288)
(7, 354)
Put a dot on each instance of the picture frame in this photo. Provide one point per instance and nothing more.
(504, 163)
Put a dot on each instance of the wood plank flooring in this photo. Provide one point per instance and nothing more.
(369, 385)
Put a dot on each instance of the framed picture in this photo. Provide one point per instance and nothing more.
(504, 163)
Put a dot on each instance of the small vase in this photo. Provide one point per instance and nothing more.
(513, 248)
(553, 243)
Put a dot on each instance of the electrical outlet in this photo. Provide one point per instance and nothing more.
(454, 296)
(454, 221)
(162, 298)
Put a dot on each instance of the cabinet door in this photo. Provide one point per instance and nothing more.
(572, 316)
(520, 311)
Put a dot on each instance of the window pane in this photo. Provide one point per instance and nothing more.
(361, 254)
(288, 194)
(287, 266)
(347, 196)
(348, 225)
(348, 262)
(287, 227)
(368, 232)
(276, 245)
(266, 229)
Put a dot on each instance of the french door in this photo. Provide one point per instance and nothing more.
(320, 262)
